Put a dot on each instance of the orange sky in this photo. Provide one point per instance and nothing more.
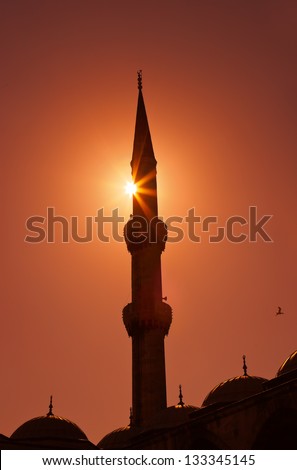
(219, 83)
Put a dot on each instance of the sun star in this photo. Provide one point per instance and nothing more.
(130, 188)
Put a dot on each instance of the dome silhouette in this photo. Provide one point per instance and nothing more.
(288, 365)
(117, 439)
(234, 389)
(172, 416)
(49, 427)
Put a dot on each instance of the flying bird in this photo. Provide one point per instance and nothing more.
(279, 312)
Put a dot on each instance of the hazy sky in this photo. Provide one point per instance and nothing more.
(219, 83)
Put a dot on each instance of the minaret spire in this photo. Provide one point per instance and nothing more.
(50, 408)
(139, 79)
(244, 366)
(180, 403)
(143, 162)
(147, 318)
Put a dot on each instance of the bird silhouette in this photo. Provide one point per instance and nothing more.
(279, 312)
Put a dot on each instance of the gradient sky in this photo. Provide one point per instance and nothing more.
(219, 83)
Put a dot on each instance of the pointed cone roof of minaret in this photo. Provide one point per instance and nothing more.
(142, 146)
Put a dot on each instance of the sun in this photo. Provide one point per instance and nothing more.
(131, 188)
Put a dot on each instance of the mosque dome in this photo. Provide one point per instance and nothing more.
(117, 439)
(51, 428)
(172, 415)
(235, 389)
(288, 365)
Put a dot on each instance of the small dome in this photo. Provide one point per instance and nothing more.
(235, 389)
(117, 439)
(49, 427)
(171, 416)
(288, 365)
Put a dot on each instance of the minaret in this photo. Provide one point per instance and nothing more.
(147, 318)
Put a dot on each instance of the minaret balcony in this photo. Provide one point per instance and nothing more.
(143, 317)
(140, 232)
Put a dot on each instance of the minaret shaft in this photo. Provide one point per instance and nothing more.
(148, 375)
(146, 277)
(147, 318)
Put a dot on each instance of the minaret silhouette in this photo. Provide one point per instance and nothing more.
(147, 318)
